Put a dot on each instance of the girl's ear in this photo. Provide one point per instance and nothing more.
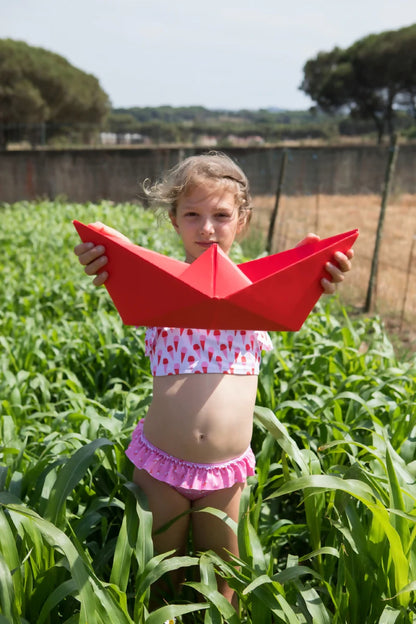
(172, 218)
(243, 221)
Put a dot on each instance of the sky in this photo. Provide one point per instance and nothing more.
(220, 54)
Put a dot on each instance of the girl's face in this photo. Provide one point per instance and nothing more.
(207, 214)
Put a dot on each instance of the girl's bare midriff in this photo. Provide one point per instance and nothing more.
(204, 418)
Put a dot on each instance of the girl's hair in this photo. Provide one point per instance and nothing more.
(188, 173)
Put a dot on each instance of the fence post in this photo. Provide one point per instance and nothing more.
(276, 202)
(391, 165)
(406, 289)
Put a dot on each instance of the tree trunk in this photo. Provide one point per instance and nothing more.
(379, 127)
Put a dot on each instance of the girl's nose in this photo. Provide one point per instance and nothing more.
(207, 226)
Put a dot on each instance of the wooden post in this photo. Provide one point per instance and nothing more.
(276, 203)
(391, 165)
(406, 290)
(317, 211)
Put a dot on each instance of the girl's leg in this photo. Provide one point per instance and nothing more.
(211, 533)
(165, 504)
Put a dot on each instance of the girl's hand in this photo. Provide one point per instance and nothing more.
(92, 257)
(336, 269)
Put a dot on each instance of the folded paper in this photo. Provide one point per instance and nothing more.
(276, 292)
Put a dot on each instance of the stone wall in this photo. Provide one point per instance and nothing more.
(93, 174)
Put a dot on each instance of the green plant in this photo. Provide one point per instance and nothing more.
(327, 526)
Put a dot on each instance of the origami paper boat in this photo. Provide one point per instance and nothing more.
(276, 292)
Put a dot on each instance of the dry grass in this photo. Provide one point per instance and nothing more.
(327, 215)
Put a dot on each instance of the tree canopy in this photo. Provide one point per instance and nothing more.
(38, 86)
(374, 79)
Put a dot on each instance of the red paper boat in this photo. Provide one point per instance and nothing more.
(272, 293)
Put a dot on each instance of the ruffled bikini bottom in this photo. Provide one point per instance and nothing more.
(190, 479)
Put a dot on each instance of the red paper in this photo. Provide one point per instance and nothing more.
(273, 293)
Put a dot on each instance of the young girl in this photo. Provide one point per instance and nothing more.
(192, 450)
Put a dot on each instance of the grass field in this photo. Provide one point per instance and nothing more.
(327, 525)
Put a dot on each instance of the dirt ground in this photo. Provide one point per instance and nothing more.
(394, 296)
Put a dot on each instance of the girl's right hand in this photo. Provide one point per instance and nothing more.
(94, 259)
(92, 256)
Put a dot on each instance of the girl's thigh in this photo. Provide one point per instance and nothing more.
(165, 504)
(210, 532)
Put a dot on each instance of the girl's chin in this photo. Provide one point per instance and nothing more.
(204, 246)
(199, 250)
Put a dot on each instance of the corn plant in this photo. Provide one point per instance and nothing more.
(327, 525)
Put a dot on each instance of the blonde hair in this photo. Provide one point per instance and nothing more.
(187, 174)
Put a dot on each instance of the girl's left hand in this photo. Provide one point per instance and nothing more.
(341, 264)
(336, 270)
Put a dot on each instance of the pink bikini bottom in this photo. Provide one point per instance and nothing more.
(189, 479)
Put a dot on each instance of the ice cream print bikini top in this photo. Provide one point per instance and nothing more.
(176, 351)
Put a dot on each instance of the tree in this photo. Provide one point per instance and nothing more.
(372, 79)
(38, 87)
(121, 123)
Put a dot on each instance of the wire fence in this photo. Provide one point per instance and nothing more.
(394, 296)
(90, 174)
(338, 189)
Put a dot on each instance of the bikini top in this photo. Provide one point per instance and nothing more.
(176, 351)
